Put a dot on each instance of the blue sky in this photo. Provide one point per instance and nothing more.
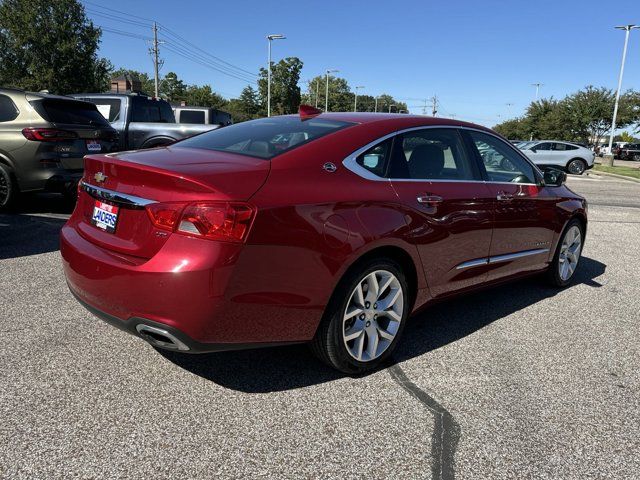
(476, 56)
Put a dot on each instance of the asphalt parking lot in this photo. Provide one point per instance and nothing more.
(521, 381)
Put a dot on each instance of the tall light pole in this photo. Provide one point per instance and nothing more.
(317, 90)
(537, 85)
(355, 101)
(270, 38)
(326, 93)
(376, 105)
(627, 29)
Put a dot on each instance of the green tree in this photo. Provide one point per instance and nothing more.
(50, 45)
(245, 107)
(173, 88)
(285, 92)
(203, 96)
(514, 129)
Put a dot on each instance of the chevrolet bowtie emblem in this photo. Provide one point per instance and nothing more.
(100, 177)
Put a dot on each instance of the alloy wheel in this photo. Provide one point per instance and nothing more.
(373, 314)
(569, 253)
(576, 167)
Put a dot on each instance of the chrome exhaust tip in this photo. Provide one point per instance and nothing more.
(160, 338)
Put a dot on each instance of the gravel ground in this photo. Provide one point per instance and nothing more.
(520, 381)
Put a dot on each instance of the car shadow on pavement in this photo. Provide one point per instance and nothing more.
(33, 226)
(286, 368)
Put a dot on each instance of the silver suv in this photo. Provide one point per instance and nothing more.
(43, 139)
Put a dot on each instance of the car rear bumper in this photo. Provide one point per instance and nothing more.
(190, 288)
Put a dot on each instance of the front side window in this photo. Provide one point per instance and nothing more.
(431, 154)
(151, 111)
(542, 146)
(8, 109)
(501, 162)
(266, 137)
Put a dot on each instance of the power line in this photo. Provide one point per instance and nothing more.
(118, 11)
(118, 19)
(123, 33)
(196, 60)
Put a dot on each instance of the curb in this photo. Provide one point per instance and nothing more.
(623, 177)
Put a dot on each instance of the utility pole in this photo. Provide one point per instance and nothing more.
(155, 52)
(270, 38)
(627, 28)
(434, 105)
(424, 109)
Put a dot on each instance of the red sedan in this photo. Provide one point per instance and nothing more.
(232, 239)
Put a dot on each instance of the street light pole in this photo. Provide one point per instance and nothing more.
(537, 85)
(326, 93)
(355, 101)
(376, 105)
(627, 29)
(270, 38)
(317, 90)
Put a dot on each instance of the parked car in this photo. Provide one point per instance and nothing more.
(222, 241)
(571, 157)
(631, 151)
(142, 121)
(43, 139)
(202, 116)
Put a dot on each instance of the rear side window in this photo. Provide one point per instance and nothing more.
(561, 147)
(109, 108)
(151, 111)
(192, 116)
(431, 154)
(376, 158)
(8, 109)
(266, 137)
(542, 146)
(73, 113)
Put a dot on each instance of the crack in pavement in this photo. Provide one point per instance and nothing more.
(446, 432)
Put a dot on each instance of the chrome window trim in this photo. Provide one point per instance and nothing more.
(500, 258)
(118, 198)
(352, 165)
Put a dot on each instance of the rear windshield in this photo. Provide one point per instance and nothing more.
(266, 137)
(73, 113)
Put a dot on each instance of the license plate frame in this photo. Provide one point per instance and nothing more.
(94, 146)
(105, 216)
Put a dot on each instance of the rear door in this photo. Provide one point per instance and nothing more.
(449, 208)
(525, 211)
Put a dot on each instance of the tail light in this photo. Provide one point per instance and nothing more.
(48, 134)
(222, 221)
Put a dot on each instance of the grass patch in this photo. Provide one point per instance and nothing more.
(626, 171)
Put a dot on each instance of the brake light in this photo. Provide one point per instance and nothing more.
(222, 221)
(48, 134)
(165, 215)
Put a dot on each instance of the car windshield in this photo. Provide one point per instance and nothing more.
(266, 137)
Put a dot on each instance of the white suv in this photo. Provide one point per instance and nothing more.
(569, 156)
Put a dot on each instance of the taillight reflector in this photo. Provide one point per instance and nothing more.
(48, 134)
(223, 221)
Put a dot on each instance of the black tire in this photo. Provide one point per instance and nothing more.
(328, 344)
(636, 157)
(553, 273)
(8, 188)
(576, 166)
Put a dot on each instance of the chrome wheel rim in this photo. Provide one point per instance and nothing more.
(569, 253)
(373, 314)
(576, 167)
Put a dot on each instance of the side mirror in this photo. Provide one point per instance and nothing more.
(554, 177)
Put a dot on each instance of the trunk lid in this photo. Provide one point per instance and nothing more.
(167, 174)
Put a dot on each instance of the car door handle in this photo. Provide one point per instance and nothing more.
(504, 196)
(429, 199)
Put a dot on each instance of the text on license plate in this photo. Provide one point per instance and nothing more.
(105, 216)
(94, 146)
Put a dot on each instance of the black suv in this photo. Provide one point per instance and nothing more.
(43, 139)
